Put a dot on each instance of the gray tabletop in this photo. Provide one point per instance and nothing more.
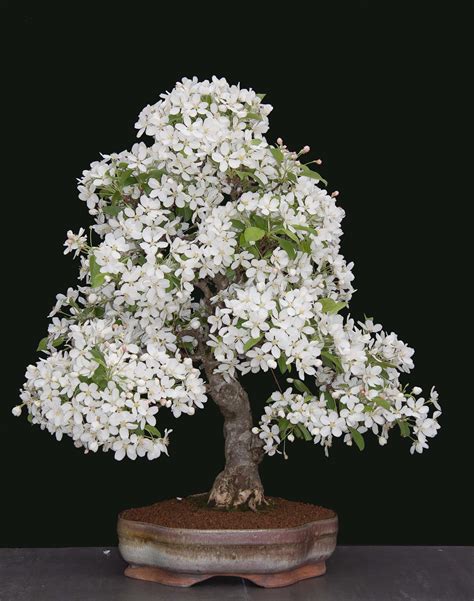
(354, 574)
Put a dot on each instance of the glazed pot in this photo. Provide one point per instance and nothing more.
(270, 558)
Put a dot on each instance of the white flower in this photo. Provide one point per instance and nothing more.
(434, 399)
(221, 156)
(140, 158)
(261, 360)
(333, 425)
(75, 242)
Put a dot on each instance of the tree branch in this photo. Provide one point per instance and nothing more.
(221, 281)
(203, 352)
(204, 287)
(188, 332)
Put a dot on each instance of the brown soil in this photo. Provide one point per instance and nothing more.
(193, 512)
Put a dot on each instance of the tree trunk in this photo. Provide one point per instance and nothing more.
(239, 482)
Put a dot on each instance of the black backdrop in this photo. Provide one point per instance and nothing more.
(379, 96)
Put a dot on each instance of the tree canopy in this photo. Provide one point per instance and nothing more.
(212, 245)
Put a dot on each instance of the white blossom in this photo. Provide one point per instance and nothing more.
(75, 242)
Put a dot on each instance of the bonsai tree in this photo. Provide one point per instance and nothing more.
(216, 254)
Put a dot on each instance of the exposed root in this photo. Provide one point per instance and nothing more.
(238, 486)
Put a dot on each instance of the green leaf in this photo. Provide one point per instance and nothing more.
(291, 177)
(378, 400)
(330, 305)
(123, 177)
(237, 224)
(58, 341)
(97, 277)
(252, 234)
(357, 438)
(255, 116)
(173, 280)
(301, 386)
(112, 210)
(277, 155)
(254, 250)
(106, 192)
(153, 431)
(256, 142)
(305, 228)
(252, 342)
(332, 361)
(98, 356)
(242, 174)
(129, 181)
(206, 98)
(185, 212)
(99, 312)
(173, 119)
(153, 173)
(282, 365)
(404, 428)
(305, 432)
(305, 170)
(383, 364)
(305, 246)
(187, 345)
(261, 96)
(260, 222)
(282, 230)
(288, 246)
(99, 377)
(283, 425)
(43, 344)
(330, 401)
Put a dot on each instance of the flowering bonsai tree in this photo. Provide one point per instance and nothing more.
(216, 254)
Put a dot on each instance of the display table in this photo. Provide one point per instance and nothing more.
(354, 574)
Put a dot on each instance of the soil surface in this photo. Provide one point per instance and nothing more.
(193, 512)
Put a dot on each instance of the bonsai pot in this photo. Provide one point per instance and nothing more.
(269, 557)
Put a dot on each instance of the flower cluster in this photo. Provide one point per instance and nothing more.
(211, 245)
(365, 396)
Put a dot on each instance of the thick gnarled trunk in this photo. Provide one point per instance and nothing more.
(239, 482)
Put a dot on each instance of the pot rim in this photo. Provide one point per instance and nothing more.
(234, 531)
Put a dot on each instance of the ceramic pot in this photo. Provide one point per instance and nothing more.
(270, 558)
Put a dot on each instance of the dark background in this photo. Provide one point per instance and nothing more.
(380, 96)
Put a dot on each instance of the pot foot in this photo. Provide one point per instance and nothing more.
(278, 579)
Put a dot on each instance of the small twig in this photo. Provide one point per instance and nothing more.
(276, 380)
